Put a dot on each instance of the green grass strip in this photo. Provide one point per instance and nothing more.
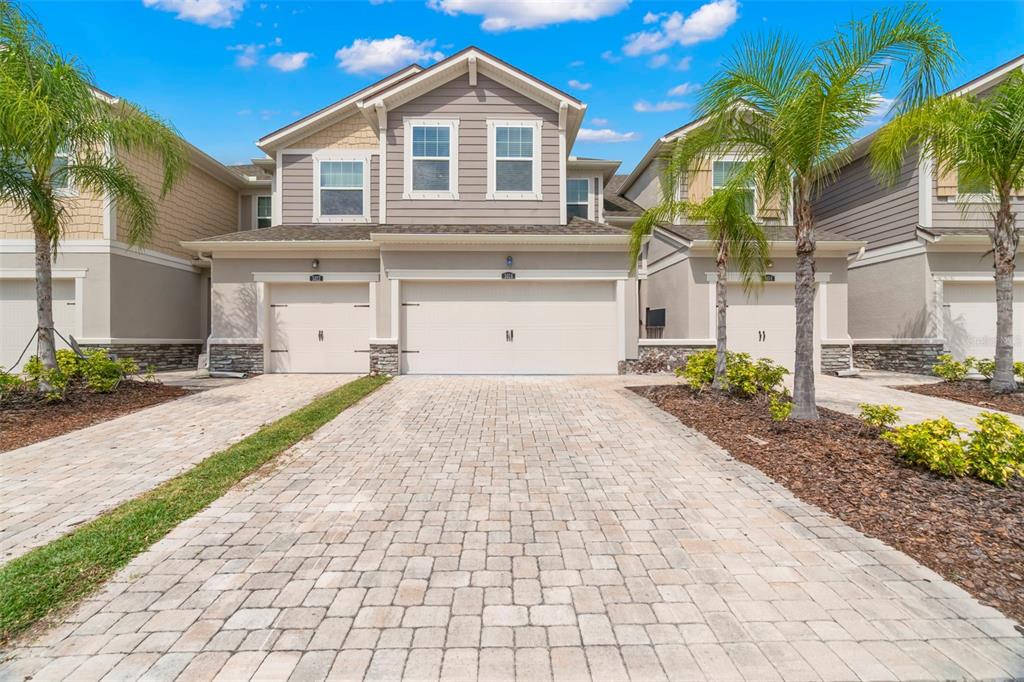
(68, 569)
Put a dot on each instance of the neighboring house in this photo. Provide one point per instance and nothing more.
(433, 222)
(677, 273)
(925, 281)
(149, 303)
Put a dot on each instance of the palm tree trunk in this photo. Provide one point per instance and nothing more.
(1004, 242)
(804, 405)
(45, 348)
(721, 303)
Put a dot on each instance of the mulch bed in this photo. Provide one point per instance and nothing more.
(973, 393)
(969, 531)
(30, 421)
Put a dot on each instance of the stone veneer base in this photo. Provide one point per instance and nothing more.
(384, 359)
(162, 356)
(914, 358)
(660, 359)
(243, 357)
(835, 357)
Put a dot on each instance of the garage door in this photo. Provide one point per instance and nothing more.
(18, 319)
(763, 322)
(969, 324)
(509, 327)
(319, 327)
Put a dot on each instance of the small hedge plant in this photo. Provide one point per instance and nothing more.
(880, 416)
(993, 452)
(97, 370)
(744, 376)
(949, 369)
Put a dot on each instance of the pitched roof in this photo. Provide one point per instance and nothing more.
(774, 233)
(615, 204)
(313, 233)
(251, 170)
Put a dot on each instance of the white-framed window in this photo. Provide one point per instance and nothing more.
(966, 187)
(341, 192)
(264, 211)
(722, 171)
(431, 159)
(513, 159)
(577, 198)
(58, 177)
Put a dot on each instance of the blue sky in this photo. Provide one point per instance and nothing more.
(226, 72)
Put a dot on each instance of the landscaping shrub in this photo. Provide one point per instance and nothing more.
(879, 416)
(949, 369)
(743, 376)
(995, 450)
(699, 369)
(986, 368)
(1018, 369)
(934, 443)
(96, 370)
(780, 406)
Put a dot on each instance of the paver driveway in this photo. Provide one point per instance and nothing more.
(48, 488)
(491, 527)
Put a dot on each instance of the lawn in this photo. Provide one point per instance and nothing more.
(57, 575)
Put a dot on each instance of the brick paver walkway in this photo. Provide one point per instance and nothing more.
(48, 488)
(488, 528)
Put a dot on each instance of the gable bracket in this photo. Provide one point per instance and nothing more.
(472, 71)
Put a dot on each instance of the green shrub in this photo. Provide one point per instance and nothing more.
(949, 369)
(780, 406)
(102, 373)
(879, 416)
(995, 450)
(10, 384)
(934, 443)
(743, 376)
(36, 375)
(1018, 369)
(986, 368)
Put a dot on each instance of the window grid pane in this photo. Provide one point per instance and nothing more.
(723, 170)
(576, 191)
(341, 175)
(513, 142)
(431, 141)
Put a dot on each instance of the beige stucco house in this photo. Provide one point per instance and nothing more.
(433, 222)
(149, 303)
(677, 274)
(924, 283)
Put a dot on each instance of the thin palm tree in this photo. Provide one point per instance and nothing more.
(794, 111)
(740, 245)
(982, 139)
(59, 131)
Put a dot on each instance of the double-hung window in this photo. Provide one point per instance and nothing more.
(342, 192)
(514, 160)
(723, 171)
(431, 159)
(58, 173)
(577, 198)
(263, 212)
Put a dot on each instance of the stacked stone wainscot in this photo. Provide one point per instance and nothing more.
(897, 356)
(384, 359)
(243, 357)
(160, 356)
(661, 358)
(835, 357)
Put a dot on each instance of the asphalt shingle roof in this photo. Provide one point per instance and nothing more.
(774, 233)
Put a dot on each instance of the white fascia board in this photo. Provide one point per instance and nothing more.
(297, 245)
(327, 276)
(607, 168)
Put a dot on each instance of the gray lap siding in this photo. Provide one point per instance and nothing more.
(298, 185)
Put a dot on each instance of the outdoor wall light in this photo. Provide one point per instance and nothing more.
(508, 261)
(316, 263)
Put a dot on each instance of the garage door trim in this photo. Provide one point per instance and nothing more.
(77, 274)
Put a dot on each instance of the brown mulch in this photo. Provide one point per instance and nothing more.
(969, 531)
(30, 421)
(973, 393)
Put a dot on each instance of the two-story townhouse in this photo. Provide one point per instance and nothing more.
(677, 272)
(432, 222)
(924, 284)
(149, 302)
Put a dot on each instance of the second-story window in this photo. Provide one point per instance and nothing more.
(723, 171)
(264, 213)
(342, 192)
(58, 173)
(577, 198)
(431, 159)
(972, 186)
(514, 160)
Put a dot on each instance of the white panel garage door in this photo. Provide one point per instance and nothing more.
(319, 327)
(763, 322)
(509, 327)
(969, 325)
(18, 318)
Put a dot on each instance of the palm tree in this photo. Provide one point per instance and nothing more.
(739, 240)
(794, 111)
(58, 131)
(982, 139)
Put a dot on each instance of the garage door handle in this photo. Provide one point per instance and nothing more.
(361, 305)
(320, 334)
(512, 335)
(278, 305)
(411, 304)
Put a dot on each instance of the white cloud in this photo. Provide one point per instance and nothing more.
(506, 15)
(710, 21)
(652, 18)
(212, 13)
(600, 121)
(658, 61)
(289, 61)
(248, 54)
(576, 63)
(684, 89)
(880, 109)
(645, 107)
(684, 64)
(610, 57)
(579, 85)
(385, 54)
(604, 135)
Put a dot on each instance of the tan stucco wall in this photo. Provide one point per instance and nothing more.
(152, 301)
(353, 132)
(890, 299)
(670, 289)
(85, 219)
(198, 206)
